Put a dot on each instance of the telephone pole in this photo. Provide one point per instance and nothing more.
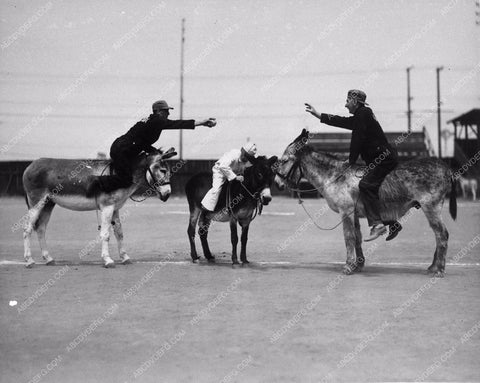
(409, 98)
(439, 112)
(182, 54)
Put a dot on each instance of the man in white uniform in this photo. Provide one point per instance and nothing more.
(229, 167)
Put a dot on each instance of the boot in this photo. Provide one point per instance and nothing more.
(393, 230)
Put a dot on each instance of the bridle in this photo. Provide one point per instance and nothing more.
(288, 178)
(296, 165)
(255, 196)
(151, 185)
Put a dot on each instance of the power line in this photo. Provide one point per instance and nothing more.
(227, 117)
(232, 76)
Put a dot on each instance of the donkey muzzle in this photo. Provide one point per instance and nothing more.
(279, 182)
(164, 192)
(265, 196)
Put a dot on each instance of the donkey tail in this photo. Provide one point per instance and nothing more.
(453, 198)
(26, 201)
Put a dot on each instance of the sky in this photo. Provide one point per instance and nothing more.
(76, 75)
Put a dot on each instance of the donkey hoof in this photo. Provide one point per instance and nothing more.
(126, 260)
(49, 261)
(436, 271)
(439, 274)
(348, 270)
(359, 267)
(245, 262)
(109, 263)
(235, 262)
(29, 264)
(211, 260)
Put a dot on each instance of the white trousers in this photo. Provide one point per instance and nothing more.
(211, 198)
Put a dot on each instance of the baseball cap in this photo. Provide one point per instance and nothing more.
(160, 105)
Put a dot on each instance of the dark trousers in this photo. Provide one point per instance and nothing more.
(123, 155)
(369, 186)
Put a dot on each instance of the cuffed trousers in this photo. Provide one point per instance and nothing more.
(211, 198)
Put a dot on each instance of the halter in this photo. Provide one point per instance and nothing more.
(296, 165)
(152, 187)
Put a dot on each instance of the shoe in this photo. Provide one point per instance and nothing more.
(377, 230)
(393, 230)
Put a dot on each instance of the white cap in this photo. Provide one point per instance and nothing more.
(250, 148)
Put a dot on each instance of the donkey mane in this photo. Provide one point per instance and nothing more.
(325, 160)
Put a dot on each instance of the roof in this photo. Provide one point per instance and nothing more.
(470, 118)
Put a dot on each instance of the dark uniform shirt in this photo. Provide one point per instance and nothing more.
(146, 132)
(368, 138)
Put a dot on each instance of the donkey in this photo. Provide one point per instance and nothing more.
(421, 183)
(469, 183)
(50, 181)
(238, 203)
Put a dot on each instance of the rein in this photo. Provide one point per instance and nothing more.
(149, 184)
(296, 165)
(300, 201)
(255, 196)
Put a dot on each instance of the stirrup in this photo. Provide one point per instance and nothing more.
(377, 231)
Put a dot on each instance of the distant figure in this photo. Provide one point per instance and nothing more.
(469, 184)
(139, 138)
(229, 167)
(369, 141)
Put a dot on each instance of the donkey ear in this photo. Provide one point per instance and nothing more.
(302, 135)
(169, 153)
(272, 160)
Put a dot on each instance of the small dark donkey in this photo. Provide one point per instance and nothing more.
(422, 183)
(237, 202)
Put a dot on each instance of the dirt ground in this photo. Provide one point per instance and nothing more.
(290, 316)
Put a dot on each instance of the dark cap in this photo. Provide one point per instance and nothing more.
(358, 95)
(160, 105)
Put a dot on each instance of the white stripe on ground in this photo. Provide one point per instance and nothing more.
(6, 263)
(183, 212)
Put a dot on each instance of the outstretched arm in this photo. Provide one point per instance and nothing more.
(310, 109)
(210, 122)
(185, 124)
(330, 119)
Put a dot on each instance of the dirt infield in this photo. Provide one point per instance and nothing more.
(290, 316)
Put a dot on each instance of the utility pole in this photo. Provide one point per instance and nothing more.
(409, 98)
(439, 117)
(181, 85)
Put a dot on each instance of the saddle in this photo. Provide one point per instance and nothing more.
(225, 196)
(107, 182)
(227, 200)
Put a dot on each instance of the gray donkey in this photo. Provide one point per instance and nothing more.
(51, 181)
(422, 183)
